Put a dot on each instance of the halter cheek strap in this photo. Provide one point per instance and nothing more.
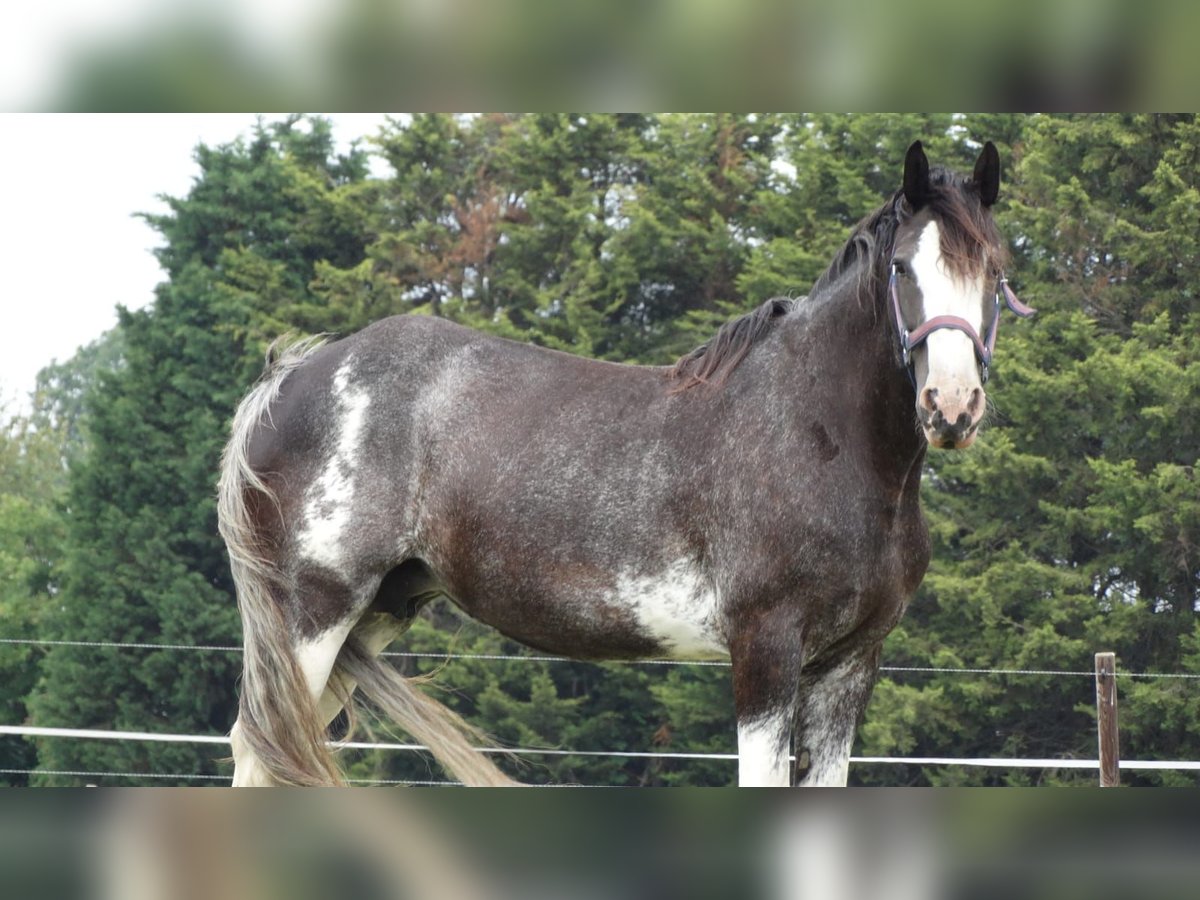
(909, 341)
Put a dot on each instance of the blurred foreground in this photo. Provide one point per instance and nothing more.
(455, 845)
(460, 54)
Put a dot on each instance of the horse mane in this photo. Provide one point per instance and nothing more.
(714, 360)
(970, 244)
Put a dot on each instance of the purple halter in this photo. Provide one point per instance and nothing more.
(909, 341)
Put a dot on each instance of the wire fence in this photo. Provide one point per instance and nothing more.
(100, 734)
(180, 776)
(979, 762)
(524, 657)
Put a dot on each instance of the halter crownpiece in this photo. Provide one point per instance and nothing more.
(909, 341)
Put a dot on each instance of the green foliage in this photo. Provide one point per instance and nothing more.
(142, 561)
(32, 479)
(1071, 527)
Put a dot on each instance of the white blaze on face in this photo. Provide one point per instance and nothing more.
(950, 354)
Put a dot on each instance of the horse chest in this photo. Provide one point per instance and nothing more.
(888, 574)
(844, 573)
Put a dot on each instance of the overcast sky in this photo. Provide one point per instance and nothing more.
(71, 248)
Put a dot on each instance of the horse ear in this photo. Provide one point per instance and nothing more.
(916, 176)
(987, 174)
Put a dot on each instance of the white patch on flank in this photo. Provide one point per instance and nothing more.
(951, 354)
(763, 752)
(675, 608)
(327, 509)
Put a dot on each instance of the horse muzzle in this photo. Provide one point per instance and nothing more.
(951, 420)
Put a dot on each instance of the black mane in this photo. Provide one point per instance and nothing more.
(716, 358)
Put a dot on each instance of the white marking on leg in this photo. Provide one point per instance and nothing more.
(830, 767)
(327, 510)
(374, 632)
(763, 757)
(247, 770)
(316, 658)
(676, 608)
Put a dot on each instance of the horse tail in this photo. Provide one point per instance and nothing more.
(277, 716)
(448, 737)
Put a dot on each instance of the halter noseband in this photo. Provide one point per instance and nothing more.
(909, 341)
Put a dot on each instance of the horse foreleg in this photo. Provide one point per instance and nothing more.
(766, 659)
(829, 706)
(763, 745)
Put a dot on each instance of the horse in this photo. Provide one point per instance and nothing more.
(757, 501)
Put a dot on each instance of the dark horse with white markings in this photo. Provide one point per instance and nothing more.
(756, 501)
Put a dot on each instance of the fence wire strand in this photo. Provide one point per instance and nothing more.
(530, 658)
(179, 776)
(989, 762)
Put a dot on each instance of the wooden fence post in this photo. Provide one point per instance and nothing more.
(1106, 719)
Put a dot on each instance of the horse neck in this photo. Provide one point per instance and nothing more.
(845, 343)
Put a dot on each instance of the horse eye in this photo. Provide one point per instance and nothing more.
(901, 268)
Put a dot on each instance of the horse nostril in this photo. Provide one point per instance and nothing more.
(929, 399)
(975, 405)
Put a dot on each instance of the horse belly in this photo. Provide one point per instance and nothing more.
(670, 613)
(676, 609)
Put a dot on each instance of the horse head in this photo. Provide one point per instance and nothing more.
(945, 285)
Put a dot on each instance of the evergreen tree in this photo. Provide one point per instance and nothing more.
(689, 226)
(1072, 527)
(143, 562)
(32, 480)
(36, 450)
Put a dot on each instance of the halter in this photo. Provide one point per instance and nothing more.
(909, 341)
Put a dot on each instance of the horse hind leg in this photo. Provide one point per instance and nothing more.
(397, 599)
(372, 633)
(280, 735)
(451, 740)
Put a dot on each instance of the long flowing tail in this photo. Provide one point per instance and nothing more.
(278, 720)
(433, 724)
